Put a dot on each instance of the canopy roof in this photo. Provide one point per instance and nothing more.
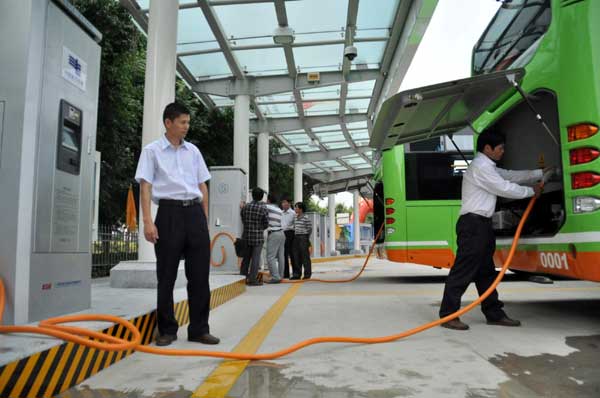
(267, 48)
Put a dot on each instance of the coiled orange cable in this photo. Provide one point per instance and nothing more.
(51, 326)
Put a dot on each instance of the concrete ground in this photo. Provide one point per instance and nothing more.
(556, 353)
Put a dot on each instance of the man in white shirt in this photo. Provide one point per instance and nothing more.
(172, 173)
(482, 183)
(287, 224)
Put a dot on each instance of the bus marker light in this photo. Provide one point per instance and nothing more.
(389, 201)
(583, 155)
(584, 180)
(585, 204)
(581, 131)
(389, 211)
(390, 220)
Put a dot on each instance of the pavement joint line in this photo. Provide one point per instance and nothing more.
(376, 293)
(222, 379)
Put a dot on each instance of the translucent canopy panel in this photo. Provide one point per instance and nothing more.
(376, 14)
(327, 163)
(361, 142)
(307, 148)
(357, 105)
(321, 92)
(287, 97)
(356, 125)
(296, 139)
(279, 110)
(362, 166)
(361, 89)
(320, 107)
(316, 15)
(369, 53)
(247, 20)
(331, 137)
(207, 66)
(322, 58)
(360, 134)
(339, 168)
(269, 61)
(222, 101)
(336, 145)
(330, 128)
(193, 28)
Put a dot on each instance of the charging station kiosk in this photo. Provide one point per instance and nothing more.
(49, 83)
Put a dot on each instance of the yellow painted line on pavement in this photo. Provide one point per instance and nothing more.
(222, 379)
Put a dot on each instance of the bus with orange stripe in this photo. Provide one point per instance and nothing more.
(536, 78)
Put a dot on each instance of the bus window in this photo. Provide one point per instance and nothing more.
(516, 27)
(434, 175)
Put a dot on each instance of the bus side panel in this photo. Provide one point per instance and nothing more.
(431, 235)
(555, 261)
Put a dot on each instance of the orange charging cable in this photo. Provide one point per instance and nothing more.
(53, 327)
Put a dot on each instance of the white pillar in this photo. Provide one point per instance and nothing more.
(263, 161)
(159, 88)
(298, 181)
(331, 208)
(356, 226)
(241, 134)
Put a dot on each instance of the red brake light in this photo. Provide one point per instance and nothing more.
(581, 131)
(583, 155)
(389, 201)
(389, 211)
(584, 180)
(390, 220)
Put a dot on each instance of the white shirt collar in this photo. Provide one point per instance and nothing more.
(165, 143)
(485, 158)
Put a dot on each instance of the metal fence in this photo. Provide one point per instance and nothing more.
(113, 244)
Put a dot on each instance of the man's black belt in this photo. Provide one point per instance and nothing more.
(479, 216)
(179, 203)
(276, 230)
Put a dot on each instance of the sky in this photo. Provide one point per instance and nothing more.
(445, 51)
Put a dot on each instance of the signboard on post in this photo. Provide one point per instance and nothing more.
(342, 218)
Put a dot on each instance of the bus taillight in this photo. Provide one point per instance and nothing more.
(390, 220)
(389, 211)
(389, 201)
(581, 131)
(584, 180)
(583, 155)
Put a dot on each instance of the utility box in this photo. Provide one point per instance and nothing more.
(227, 189)
(49, 83)
(315, 236)
(325, 234)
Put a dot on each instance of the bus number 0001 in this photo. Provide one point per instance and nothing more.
(554, 260)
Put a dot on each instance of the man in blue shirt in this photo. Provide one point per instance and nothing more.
(172, 173)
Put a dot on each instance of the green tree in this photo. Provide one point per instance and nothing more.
(120, 103)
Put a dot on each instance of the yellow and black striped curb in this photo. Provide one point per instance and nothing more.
(50, 372)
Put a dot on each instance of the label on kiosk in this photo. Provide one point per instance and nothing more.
(68, 157)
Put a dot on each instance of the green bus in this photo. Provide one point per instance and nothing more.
(536, 78)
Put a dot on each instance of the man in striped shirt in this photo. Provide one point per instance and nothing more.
(275, 241)
(302, 231)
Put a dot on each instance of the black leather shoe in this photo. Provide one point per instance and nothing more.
(455, 324)
(506, 321)
(205, 339)
(273, 281)
(165, 339)
(295, 278)
(254, 283)
(306, 277)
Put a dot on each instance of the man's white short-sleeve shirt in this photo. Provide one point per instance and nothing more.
(174, 173)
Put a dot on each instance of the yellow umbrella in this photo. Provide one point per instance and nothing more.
(131, 215)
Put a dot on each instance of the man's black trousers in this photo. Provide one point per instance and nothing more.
(183, 231)
(288, 253)
(474, 263)
(302, 255)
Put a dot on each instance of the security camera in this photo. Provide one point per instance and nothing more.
(350, 52)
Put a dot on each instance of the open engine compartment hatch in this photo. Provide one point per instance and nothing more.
(440, 109)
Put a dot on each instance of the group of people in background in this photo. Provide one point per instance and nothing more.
(288, 239)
